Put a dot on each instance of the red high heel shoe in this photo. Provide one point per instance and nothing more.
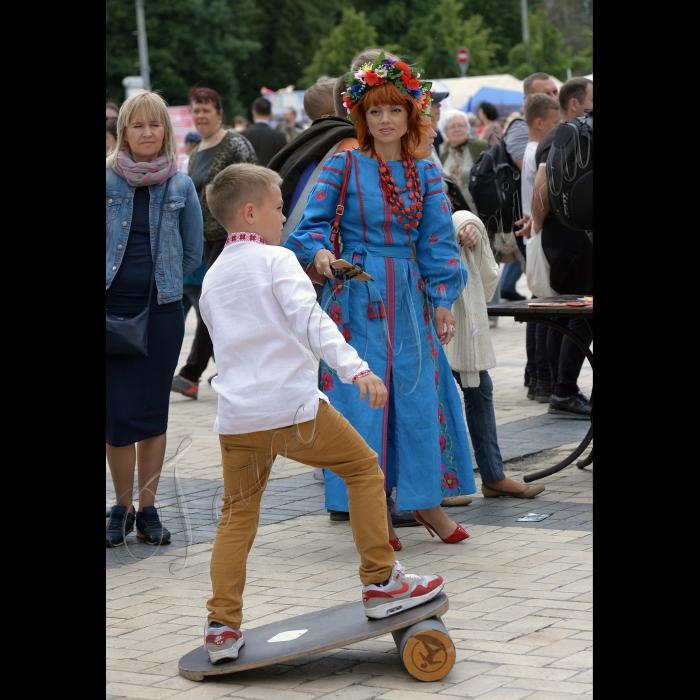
(457, 536)
(396, 544)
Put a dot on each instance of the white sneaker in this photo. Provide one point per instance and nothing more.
(222, 643)
(401, 592)
(318, 473)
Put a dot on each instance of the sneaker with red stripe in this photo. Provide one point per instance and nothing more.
(400, 591)
(222, 643)
(185, 387)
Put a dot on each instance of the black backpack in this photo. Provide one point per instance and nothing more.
(494, 183)
(454, 194)
(570, 173)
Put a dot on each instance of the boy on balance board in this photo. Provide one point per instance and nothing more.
(261, 312)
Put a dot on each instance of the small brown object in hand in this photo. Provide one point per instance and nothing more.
(342, 269)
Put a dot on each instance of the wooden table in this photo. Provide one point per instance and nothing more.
(554, 317)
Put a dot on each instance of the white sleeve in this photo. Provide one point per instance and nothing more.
(481, 252)
(311, 326)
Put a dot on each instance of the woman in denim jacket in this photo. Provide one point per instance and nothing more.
(138, 388)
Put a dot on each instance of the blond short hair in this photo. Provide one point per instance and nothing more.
(155, 108)
(237, 185)
(318, 100)
(538, 106)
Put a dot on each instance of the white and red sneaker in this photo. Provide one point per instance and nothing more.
(222, 643)
(400, 591)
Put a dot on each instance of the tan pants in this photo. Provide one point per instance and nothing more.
(329, 442)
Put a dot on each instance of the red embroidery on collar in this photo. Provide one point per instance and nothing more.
(244, 236)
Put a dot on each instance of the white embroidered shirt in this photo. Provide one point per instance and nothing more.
(261, 312)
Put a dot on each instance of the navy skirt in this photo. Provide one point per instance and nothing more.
(138, 388)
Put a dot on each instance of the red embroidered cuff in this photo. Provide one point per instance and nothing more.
(364, 373)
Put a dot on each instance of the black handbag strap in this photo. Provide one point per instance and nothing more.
(155, 247)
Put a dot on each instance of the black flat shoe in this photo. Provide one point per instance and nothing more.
(576, 406)
(339, 516)
(532, 389)
(119, 525)
(149, 528)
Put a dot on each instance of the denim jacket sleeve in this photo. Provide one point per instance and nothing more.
(191, 230)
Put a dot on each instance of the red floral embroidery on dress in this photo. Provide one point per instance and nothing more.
(244, 236)
(364, 373)
(450, 480)
(327, 381)
(336, 313)
(320, 195)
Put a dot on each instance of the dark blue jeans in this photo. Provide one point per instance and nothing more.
(481, 421)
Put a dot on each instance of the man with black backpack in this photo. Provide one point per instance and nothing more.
(495, 182)
(569, 252)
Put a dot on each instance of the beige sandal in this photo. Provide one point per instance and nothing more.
(455, 501)
(529, 492)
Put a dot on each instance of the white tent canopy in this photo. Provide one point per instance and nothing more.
(461, 89)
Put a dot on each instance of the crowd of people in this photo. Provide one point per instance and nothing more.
(365, 206)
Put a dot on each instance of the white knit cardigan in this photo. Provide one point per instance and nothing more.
(471, 351)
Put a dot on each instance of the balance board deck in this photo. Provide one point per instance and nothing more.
(324, 630)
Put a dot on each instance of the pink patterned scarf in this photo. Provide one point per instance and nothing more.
(139, 174)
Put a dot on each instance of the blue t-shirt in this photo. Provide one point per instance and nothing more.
(303, 179)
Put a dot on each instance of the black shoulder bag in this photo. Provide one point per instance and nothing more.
(129, 336)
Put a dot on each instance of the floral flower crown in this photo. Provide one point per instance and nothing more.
(385, 70)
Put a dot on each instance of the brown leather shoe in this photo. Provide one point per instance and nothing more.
(455, 501)
(528, 492)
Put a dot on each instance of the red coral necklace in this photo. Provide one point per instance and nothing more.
(413, 210)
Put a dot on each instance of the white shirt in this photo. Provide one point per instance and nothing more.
(261, 312)
(528, 173)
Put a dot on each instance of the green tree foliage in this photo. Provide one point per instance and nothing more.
(504, 20)
(581, 62)
(289, 33)
(189, 41)
(543, 53)
(238, 46)
(574, 19)
(392, 19)
(556, 46)
(433, 40)
(336, 50)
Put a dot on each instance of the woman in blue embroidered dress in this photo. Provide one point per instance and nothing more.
(394, 210)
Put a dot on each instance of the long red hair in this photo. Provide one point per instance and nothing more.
(412, 142)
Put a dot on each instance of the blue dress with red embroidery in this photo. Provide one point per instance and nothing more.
(420, 436)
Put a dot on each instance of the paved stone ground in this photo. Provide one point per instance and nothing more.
(520, 593)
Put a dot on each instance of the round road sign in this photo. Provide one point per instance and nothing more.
(462, 55)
